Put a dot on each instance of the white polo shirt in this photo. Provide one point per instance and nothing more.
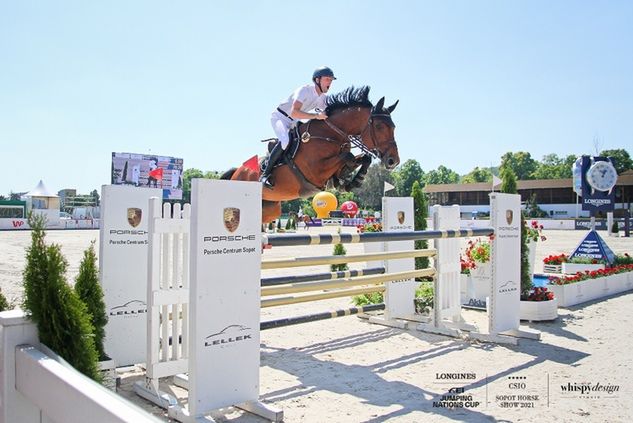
(308, 97)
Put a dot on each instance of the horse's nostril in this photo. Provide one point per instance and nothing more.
(391, 162)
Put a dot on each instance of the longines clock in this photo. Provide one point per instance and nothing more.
(601, 176)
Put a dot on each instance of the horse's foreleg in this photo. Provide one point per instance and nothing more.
(271, 210)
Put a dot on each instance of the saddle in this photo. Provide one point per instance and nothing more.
(289, 153)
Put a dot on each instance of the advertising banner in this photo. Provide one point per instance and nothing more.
(398, 217)
(225, 258)
(151, 171)
(123, 270)
(504, 304)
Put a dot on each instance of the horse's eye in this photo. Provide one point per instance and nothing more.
(380, 125)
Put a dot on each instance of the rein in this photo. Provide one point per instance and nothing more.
(357, 140)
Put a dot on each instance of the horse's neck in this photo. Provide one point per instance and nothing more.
(352, 120)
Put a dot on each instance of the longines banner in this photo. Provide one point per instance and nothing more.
(398, 217)
(505, 217)
(123, 270)
(225, 258)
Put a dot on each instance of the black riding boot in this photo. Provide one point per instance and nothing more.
(274, 156)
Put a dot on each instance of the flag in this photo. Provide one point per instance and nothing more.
(388, 187)
(496, 181)
(252, 164)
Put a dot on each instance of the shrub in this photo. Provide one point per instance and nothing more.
(89, 291)
(339, 250)
(365, 299)
(62, 320)
(4, 304)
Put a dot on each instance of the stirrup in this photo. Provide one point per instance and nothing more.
(265, 180)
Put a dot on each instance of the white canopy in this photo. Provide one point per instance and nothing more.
(40, 191)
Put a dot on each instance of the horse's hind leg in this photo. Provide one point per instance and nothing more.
(271, 210)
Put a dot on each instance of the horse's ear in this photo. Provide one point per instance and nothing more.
(392, 107)
(381, 103)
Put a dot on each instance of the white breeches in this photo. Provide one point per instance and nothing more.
(281, 125)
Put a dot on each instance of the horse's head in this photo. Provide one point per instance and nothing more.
(381, 131)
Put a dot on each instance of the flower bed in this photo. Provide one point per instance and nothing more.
(591, 285)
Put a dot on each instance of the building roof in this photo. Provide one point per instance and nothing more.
(625, 178)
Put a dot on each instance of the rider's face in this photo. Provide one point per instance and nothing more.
(326, 82)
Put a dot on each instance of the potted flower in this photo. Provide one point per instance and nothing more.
(536, 303)
(477, 263)
(540, 304)
(574, 265)
(533, 234)
(554, 263)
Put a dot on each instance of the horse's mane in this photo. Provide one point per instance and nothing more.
(350, 97)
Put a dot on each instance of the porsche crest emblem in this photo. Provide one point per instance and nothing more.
(134, 216)
(509, 216)
(401, 217)
(231, 218)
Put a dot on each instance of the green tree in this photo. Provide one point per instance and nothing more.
(477, 175)
(621, 157)
(62, 320)
(508, 186)
(554, 167)
(89, 291)
(406, 175)
(370, 193)
(95, 196)
(508, 180)
(420, 212)
(442, 175)
(521, 163)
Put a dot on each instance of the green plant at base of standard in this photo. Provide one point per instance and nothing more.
(62, 320)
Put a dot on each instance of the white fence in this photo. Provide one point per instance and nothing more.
(37, 386)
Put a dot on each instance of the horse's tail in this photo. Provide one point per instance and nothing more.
(229, 173)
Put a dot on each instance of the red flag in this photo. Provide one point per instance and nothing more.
(157, 174)
(252, 164)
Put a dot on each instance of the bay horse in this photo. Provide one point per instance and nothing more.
(324, 151)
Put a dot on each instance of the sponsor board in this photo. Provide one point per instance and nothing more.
(398, 217)
(226, 258)
(503, 307)
(123, 247)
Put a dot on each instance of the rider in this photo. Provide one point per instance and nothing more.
(302, 101)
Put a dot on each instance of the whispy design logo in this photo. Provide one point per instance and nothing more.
(401, 217)
(134, 216)
(231, 218)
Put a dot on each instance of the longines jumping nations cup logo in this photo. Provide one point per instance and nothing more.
(231, 218)
(134, 216)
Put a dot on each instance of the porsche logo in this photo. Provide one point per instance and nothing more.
(134, 216)
(401, 217)
(509, 216)
(231, 218)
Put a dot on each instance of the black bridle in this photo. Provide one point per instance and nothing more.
(357, 140)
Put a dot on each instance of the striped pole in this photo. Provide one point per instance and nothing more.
(314, 261)
(282, 280)
(350, 238)
(271, 324)
(274, 302)
(345, 283)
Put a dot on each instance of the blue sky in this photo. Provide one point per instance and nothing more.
(199, 79)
